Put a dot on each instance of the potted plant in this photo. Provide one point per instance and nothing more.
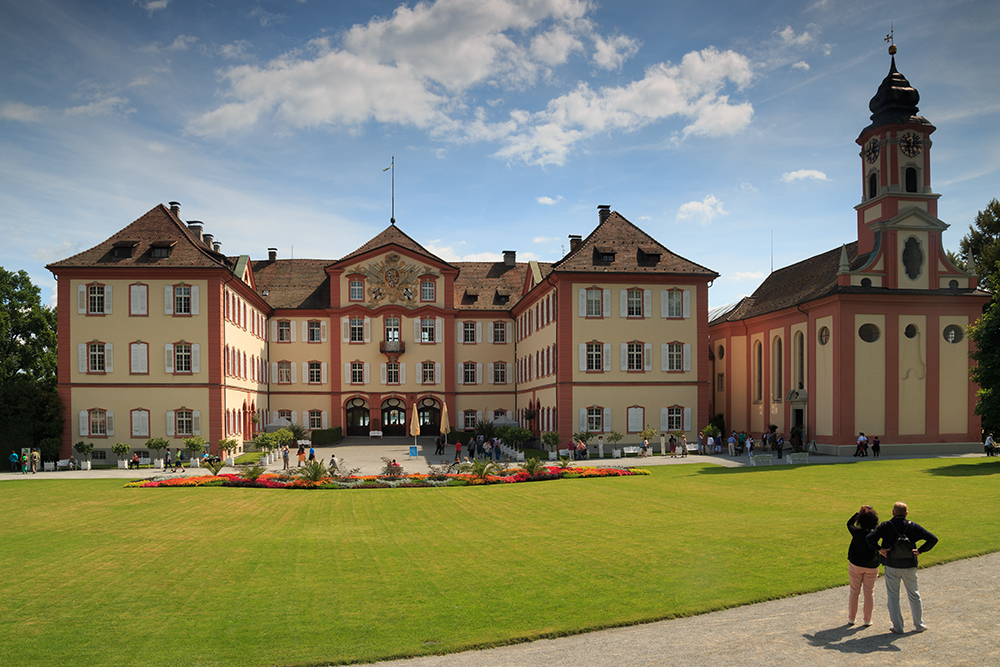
(551, 440)
(84, 449)
(229, 446)
(614, 438)
(157, 445)
(121, 450)
(194, 446)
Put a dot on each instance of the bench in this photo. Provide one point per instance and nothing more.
(374, 434)
(62, 463)
(798, 457)
(761, 458)
(632, 450)
(564, 453)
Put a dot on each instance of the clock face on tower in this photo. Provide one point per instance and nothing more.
(871, 151)
(910, 144)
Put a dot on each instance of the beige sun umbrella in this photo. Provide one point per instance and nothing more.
(414, 424)
(445, 427)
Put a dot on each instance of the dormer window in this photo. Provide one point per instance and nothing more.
(161, 249)
(123, 249)
(604, 256)
(648, 256)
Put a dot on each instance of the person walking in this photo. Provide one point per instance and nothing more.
(458, 451)
(876, 447)
(896, 541)
(35, 457)
(285, 455)
(684, 445)
(862, 445)
(302, 456)
(862, 564)
(673, 446)
(732, 443)
(14, 461)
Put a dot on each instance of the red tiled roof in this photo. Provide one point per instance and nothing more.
(488, 282)
(157, 226)
(293, 283)
(392, 235)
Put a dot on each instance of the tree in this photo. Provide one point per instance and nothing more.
(983, 240)
(985, 333)
(27, 332)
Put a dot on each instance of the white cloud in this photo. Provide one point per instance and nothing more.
(554, 47)
(450, 253)
(156, 147)
(748, 187)
(803, 174)
(182, 42)
(612, 53)
(21, 112)
(236, 50)
(101, 107)
(154, 5)
(788, 36)
(265, 17)
(66, 248)
(802, 65)
(548, 201)
(703, 212)
(546, 239)
(747, 275)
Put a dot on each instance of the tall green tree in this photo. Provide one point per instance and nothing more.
(27, 332)
(985, 333)
(983, 240)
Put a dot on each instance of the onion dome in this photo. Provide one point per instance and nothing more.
(895, 103)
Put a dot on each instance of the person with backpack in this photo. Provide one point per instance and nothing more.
(862, 564)
(896, 541)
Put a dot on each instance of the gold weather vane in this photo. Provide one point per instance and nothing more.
(890, 41)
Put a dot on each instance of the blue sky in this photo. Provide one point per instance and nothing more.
(724, 129)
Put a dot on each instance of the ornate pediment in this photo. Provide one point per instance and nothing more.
(394, 281)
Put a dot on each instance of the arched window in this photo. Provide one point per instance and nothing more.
(758, 381)
(872, 185)
(911, 179)
(777, 370)
(800, 360)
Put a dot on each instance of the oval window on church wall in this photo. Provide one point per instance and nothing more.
(953, 333)
(823, 336)
(913, 258)
(869, 332)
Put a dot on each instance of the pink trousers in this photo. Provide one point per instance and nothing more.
(861, 577)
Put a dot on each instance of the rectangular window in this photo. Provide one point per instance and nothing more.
(469, 372)
(675, 357)
(138, 300)
(357, 330)
(185, 423)
(469, 421)
(675, 303)
(499, 332)
(285, 414)
(357, 372)
(314, 332)
(427, 330)
(427, 291)
(392, 373)
(357, 290)
(500, 373)
(499, 414)
(468, 332)
(675, 419)
(392, 329)
(182, 300)
(595, 420)
(720, 382)
(284, 331)
(315, 419)
(594, 306)
(315, 372)
(634, 308)
(635, 362)
(96, 358)
(595, 357)
(98, 422)
(95, 300)
(182, 357)
(284, 372)
(427, 373)
(140, 423)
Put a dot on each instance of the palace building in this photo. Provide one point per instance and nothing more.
(166, 336)
(868, 337)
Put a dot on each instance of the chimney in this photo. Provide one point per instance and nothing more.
(207, 238)
(175, 208)
(509, 257)
(574, 242)
(603, 211)
(217, 246)
(196, 226)
(272, 254)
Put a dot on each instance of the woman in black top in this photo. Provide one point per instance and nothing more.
(862, 563)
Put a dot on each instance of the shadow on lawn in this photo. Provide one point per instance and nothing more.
(848, 640)
(968, 469)
(718, 470)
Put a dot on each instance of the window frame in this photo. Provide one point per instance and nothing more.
(675, 302)
(284, 326)
(426, 283)
(675, 352)
(468, 331)
(467, 368)
(317, 368)
(97, 350)
(427, 369)
(675, 416)
(356, 278)
(599, 302)
(595, 418)
(316, 415)
(630, 295)
(314, 327)
(287, 367)
(355, 334)
(97, 416)
(427, 330)
(180, 354)
(499, 333)
(186, 417)
(357, 372)
(392, 372)
(595, 357)
(629, 353)
(499, 372)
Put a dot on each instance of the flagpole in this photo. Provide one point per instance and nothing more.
(392, 220)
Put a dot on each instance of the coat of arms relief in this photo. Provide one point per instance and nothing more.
(394, 281)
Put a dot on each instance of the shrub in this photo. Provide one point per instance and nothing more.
(251, 473)
(312, 471)
(551, 440)
(84, 448)
(299, 432)
(50, 448)
(533, 466)
(390, 468)
(215, 466)
(194, 445)
(327, 436)
(121, 450)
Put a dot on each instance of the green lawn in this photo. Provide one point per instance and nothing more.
(94, 574)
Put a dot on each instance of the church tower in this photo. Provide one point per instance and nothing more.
(895, 158)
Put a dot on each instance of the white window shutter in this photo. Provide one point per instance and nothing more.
(416, 330)
(168, 299)
(274, 330)
(168, 358)
(345, 323)
(305, 372)
(133, 299)
(274, 370)
(295, 417)
(582, 303)
(134, 350)
(420, 373)
(687, 303)
(170, 422)
(479, 373)
(323, 418)
(402, 373)
(606, 298)
(305, 331)
(507, 331)
(196, 422)
(81, 303)
(459, 332)
(293, 367)
(607, 357)
(292, 328)
(479, 332)
(510, 415)
(82, 357)
(368, 329)
(107, 299)
(195, 358)
(583, 420)
(489, 373)
(664, 303)
(347, 373)
(687, 419)
(479, 416)
(323, 371)
(647, 356)
(109, 358)
(84, 423)
(368, 372)
(382, 373)
(437, 372)
(623, 356)
(195, 300)
(508, 374)
(647, 303)
(489, 332)
(607, 420)
(438, 328)
(583, 357)
(687, 356)
(109, 422)
(663, 419)
(274, 416)
(664, 357)
(322, 331)
(461, 373)
(623, 304)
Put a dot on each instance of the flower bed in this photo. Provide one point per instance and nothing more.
(416, 480)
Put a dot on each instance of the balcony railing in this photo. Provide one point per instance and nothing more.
(392, 347)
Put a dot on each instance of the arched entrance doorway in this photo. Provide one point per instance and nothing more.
(429, 414)
(357, 417)
(393, 417)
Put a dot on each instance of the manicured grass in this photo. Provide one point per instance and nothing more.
(95, 574)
